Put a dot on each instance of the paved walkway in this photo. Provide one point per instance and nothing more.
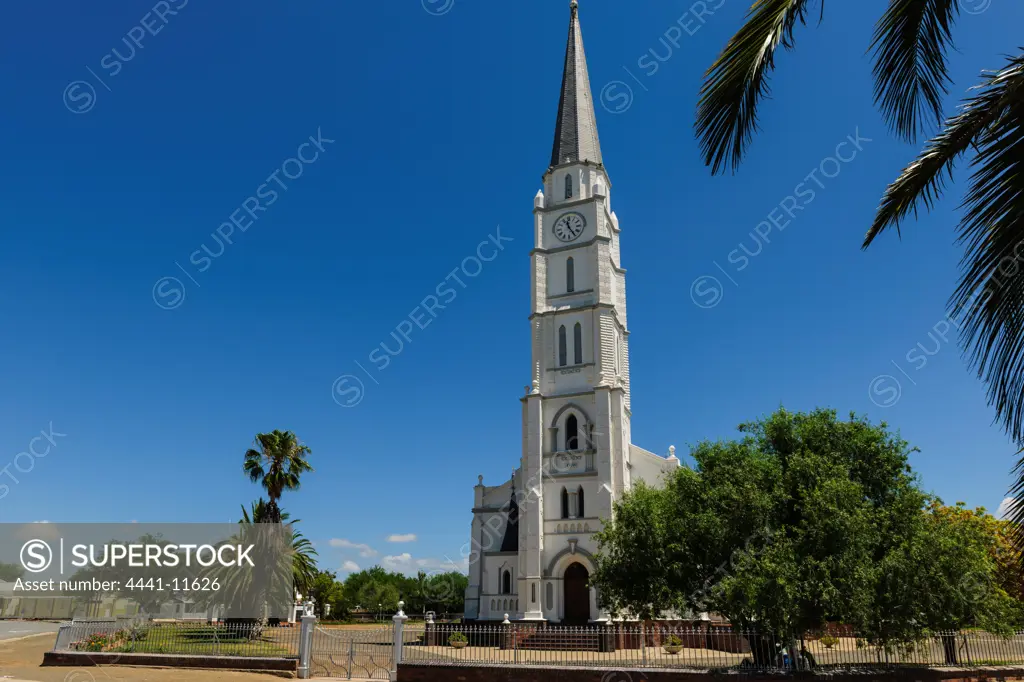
(16, 629)
(20, 659)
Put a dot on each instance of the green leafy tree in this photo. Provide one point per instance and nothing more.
(911, 44)
(277, 463)
(10, 572)
(443, 592)
(806, 520)
(379, 597)
(325, 589)
(439, 592)
(947, 579)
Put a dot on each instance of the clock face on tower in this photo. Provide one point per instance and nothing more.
(569, 226)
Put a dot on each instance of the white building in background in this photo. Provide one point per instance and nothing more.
(532, 537)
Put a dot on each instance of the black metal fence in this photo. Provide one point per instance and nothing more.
(696, 648)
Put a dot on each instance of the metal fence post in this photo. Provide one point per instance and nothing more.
(399, 620)
(306, 645)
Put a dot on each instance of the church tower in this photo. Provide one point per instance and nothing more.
(576, 417)
(577, 457)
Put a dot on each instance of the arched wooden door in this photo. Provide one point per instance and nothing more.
(577, 595)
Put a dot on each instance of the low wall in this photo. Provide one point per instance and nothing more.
(459, 673)
(82, 659)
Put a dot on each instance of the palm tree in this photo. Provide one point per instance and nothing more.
(910, 45)
(277, 462)
(303, 554)
(284, 561)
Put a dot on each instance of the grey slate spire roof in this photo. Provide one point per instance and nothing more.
(576, 129)
(510, 543)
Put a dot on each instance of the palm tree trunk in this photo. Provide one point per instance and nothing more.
(273, 514)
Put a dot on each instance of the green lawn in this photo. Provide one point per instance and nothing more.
(208, 640)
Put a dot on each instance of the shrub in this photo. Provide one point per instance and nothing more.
(135, 632)
(457, 637)
(829, 641)
(673, 641)
(94, 642)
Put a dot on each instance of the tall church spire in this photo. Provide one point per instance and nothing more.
(576, 129)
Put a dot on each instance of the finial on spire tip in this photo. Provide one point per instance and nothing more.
(574, 4)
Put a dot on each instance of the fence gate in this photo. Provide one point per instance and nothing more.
(347, 654)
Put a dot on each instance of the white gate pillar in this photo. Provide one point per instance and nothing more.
(399, 620)
(306, 645)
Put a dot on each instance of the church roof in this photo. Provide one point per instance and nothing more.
(510, 543)
(576, 128)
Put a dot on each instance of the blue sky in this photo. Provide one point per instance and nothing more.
(432, 125)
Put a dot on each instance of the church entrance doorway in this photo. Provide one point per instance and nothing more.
(577, 595)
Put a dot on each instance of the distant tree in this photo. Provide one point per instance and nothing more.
(439, 592)
(806, 520)
(443, 592)
(277, 462)
(380, 597)
(325, 589)
(10, 572)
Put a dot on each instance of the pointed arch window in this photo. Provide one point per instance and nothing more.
(577, 344)
(565, 503)
(506, 582)
(562, 353)
(579, 503)
(568, 185)
(572, 440)
(570, 275)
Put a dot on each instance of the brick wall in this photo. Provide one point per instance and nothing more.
(83, 659)
(426, 673)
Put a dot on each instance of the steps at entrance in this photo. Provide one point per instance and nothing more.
(553, 640)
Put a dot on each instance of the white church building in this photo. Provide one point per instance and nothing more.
(533, 536)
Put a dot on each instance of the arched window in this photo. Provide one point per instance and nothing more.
(579, 503)
(577, 343)
(572, 441)
(570, 275)
(506, 583)
(568, 185)
(562, 354)
(565, 503)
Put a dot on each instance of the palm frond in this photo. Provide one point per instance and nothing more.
(922, 182)
(253, 465)
(911, 72)
(990, 296)
(738, 80)
(988, 304)
(277, 462)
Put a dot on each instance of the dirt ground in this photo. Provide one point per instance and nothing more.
(20, 659)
